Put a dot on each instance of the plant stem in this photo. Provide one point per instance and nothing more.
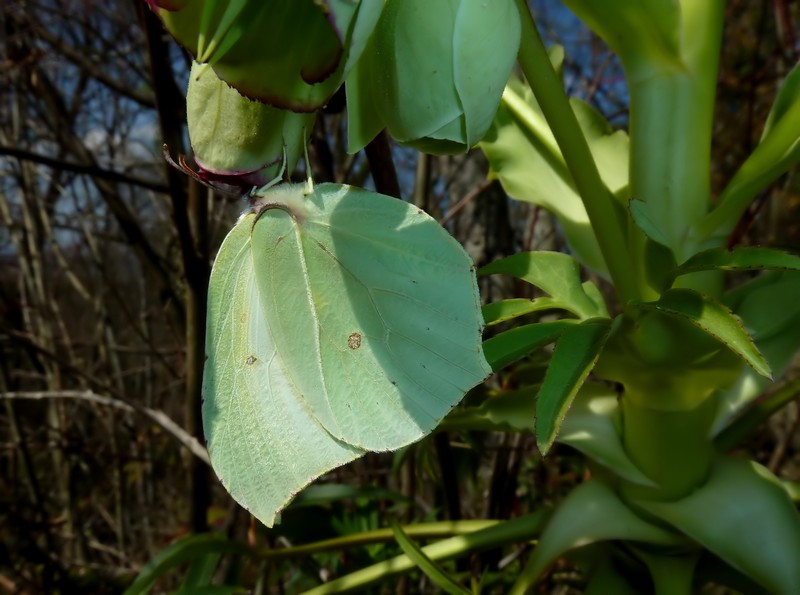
(604, 215)
(672, 574)
(670, 446)
(671, 117)
(520, 529)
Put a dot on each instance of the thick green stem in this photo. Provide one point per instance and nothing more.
(672, 107)
(672, 447)
(672, 574)
(604, 215)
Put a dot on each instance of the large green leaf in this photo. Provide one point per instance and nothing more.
(554, 273)
(592, 512)
(743, 515)
(339, 321)
(713, 318)
(575, 354)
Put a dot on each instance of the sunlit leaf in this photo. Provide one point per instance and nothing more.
(556, 274)
(526, 159)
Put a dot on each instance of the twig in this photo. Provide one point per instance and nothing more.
(469, 197)
(159, 417)
(92, 170)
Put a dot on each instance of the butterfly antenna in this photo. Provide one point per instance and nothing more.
(276, 180)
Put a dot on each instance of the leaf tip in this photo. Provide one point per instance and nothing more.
(544, 446)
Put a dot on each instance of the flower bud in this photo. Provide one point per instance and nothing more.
(236, 140)
(288, 54)
(434, 72)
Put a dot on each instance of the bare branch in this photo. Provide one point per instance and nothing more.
(91, 170)
(158, 416)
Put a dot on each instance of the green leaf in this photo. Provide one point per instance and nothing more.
(330, 493)
(605, 577)
(768, 304)
(363, 120)
(485, 45)
(201, 571)
(431, 569)
(646, 29)
(289, 55)
(182, 551)
(524, 156)
(777, 151)
(590, 426)
(748, 421)
(500, 533)
(646, 221)
(509, 411)
(742, 495)
(575, 354)
(658, 257)
(440, 68)
(713, 318)
(592, 512)
(232, 134)
(339, 321)
(505, 310)
(740, 259)
(512, 345)
(212, 590)
(554, 273)
(770, 310)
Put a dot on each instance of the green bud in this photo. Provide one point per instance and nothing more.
(434, 72)
(292, 55)
(236, 140)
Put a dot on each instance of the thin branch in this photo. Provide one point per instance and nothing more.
(468, 198)
(159, 417)
(94, 69)
(379, 155)
(91, 170)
